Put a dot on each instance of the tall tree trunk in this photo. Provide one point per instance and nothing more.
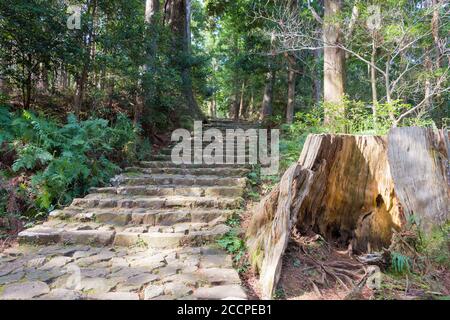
(317, 81)
(178, 16)
(251, 105)
(291, 90)
(83, 78)
(428, 87)
(334, 58)
(242, 105)
(28, 88)
(235, 101)
(435, 24)
(212, 107)
(373, 77)
(148, 89)
(266, 106)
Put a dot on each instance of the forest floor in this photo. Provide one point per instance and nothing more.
(314, 269)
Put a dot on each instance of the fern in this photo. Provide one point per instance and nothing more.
(64, 161)
(400, 264)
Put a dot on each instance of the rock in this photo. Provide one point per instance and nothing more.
(125, 273)
(40, 235)
(96, 285)
(163, 297)
(119, 219)
(218, 276)
(94, 272)
(177, 290)
(43, 275)
(96, 258)
(153, 291)
(115, 296)
(220, 292)
(12, 277)
(56, 262)
(216, 261)
(36, 262)
(24, 290)
(88, 237)
(167, 271)
(162, 240)
(135, 283)
(62, 294)
(126, 239)
(83, 254)
(189, 279)
(148, 264)
(189, 269)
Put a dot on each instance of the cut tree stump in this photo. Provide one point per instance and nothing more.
(343, 188)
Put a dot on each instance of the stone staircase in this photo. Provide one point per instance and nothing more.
(150, 235)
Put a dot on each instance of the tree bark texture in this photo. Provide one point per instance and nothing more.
(334, 58)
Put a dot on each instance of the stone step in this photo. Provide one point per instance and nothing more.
(179, 180)
(226, 172)
(161, 237)
(170, 164)
(111, 201)
(232, 125)
(168, 151)
(122, 217)
(168, 157)
(173, 190)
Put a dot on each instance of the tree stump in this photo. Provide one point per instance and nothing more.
(351, 190)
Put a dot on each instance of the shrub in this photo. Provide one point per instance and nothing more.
(62, 161)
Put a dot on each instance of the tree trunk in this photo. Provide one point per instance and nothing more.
(152, 11)
(178, 16)
(266, 106)
(373, 78)
(235, 101)
(428, 87)
(28, 89)
(334, 59)
(251, 106)
(83, 78)
(146, 84)
(435, 24)
(212, 107)
(317, 81)
(291, 91)
(242, 105)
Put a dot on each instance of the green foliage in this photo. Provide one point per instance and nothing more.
(435, 245)
(233, 244)
(234, 221)
(400, 263)
(279, 294)
(63, 161)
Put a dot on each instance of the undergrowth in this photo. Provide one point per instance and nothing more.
(44, 164)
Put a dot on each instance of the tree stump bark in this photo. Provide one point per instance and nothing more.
(343, 188)
(418, 158)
